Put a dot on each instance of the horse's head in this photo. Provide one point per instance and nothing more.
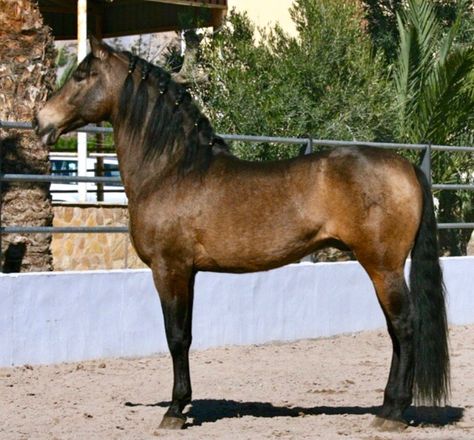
(87, 96)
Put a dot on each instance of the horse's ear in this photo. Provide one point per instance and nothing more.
(99, 50)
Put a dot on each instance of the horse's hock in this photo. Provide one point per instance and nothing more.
(90, 251)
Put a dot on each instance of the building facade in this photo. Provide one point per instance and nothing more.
(266, 12)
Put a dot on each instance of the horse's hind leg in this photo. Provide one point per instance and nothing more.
(175, 286)
(394, 297)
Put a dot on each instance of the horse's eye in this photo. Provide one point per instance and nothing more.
(79, 75)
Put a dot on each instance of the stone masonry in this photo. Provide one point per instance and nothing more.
(92, 251)
(470, 245)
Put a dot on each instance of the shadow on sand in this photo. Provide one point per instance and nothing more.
(212, 410)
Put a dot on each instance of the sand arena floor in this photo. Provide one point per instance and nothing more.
(311, 389)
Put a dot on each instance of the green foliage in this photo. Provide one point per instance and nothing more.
(434, 84)
(432, 77)
(66, 62)
(382, 25)
(325, 83)
(381, 16)
(62, 56)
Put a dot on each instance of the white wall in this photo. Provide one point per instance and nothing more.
(70, 316)
(266, 13)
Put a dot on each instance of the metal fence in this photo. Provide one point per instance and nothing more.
(307, 146)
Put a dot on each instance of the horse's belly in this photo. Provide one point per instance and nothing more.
(259, 252)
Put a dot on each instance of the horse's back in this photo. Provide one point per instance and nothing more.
(356, 196)
(340, 183)
(244, 216)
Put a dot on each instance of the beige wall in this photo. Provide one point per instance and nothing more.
(92, 251)
(264, 12)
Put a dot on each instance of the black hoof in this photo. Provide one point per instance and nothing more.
(169, 422)
(389, 425)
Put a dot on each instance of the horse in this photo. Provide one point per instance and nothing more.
(196, 207)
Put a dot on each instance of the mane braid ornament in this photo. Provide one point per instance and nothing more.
(162, 118)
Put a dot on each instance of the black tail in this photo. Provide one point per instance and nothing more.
(431, 380)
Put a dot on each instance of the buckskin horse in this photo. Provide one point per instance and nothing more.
(196, 207)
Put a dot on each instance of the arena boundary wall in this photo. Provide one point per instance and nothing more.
(72, 316)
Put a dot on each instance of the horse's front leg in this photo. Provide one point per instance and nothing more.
(175, 285)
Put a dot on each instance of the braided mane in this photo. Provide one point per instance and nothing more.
(175, 123)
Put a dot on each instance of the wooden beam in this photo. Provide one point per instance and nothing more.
(62, 7)
(213, 4)
(59, 9)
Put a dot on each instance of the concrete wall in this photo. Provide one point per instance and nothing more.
(70, 316)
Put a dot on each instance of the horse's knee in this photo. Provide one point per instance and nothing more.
(179, 343)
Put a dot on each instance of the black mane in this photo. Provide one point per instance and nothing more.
(175, 123)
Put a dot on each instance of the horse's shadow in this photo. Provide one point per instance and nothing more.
(212, 410)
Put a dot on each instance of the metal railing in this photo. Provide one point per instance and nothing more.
(307, 143)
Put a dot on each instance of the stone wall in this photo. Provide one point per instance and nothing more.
(470, 245)
(92, 251)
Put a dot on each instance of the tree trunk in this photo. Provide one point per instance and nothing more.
(27, 76)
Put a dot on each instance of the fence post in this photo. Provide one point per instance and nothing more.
(426, 162)
(308, 150)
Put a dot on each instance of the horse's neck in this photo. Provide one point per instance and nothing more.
(136, 169)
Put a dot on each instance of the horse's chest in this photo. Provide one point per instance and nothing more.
(155, 234)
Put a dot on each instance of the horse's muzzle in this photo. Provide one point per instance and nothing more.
(47, 134)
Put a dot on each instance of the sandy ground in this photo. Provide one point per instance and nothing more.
(311, 389)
